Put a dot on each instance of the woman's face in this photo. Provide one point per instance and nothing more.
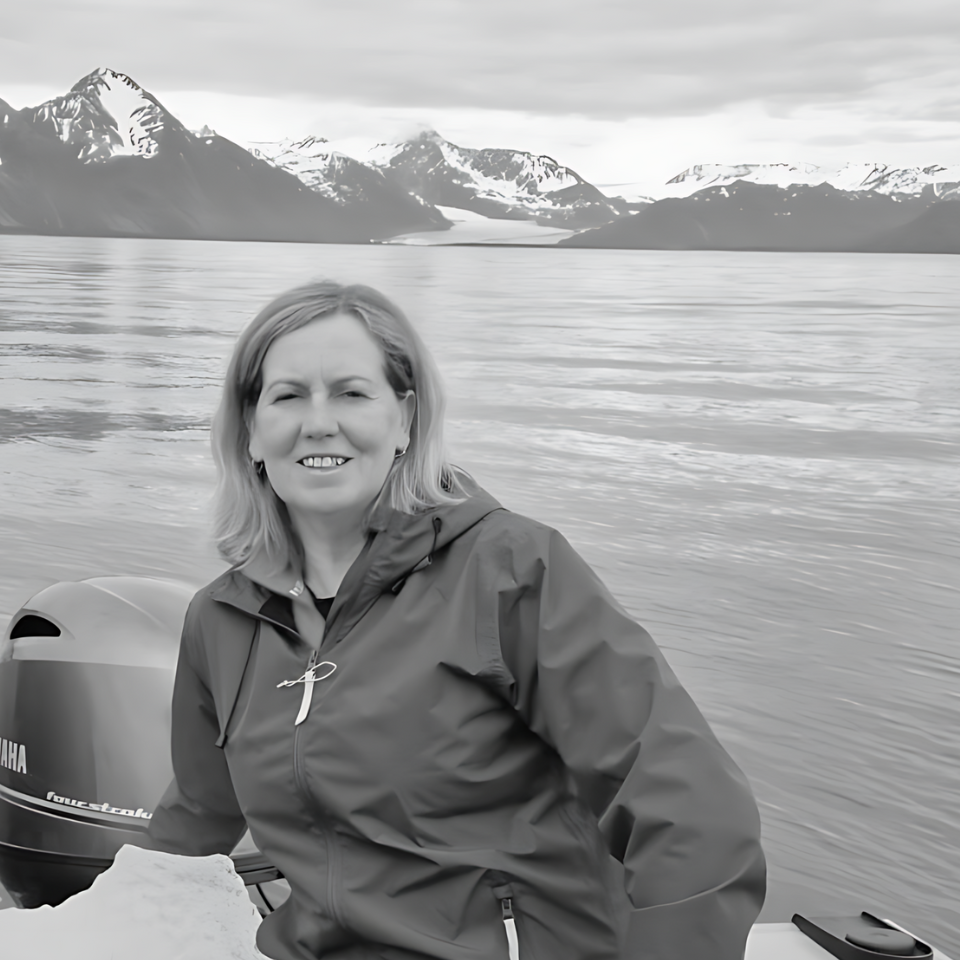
(325, 395)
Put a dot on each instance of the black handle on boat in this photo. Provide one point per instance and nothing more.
(862, 938)
(254, 868)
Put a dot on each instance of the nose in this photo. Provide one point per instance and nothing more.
(320, 419)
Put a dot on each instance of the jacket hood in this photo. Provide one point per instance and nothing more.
(403, 541)
(399, 543)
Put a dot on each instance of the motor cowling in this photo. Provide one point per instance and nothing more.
(86, 677)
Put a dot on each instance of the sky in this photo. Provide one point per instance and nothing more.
(622, 91)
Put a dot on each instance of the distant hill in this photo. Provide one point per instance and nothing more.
(108, 159)
(936, 230)
(752, 216)
(936, 182)
(498, 184)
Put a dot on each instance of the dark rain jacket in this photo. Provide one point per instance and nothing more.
(496, 726)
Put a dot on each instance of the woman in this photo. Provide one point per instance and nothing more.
(428, 710)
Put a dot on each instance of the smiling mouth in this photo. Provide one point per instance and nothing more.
(324, 463)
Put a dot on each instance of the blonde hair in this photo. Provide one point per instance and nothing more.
(248, 515)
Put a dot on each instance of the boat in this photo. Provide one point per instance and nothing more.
(86, 675)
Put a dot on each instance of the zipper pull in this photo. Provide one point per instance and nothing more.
(309, 678)
(509, 923)
(307, 697)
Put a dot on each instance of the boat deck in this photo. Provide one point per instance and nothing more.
(784, 941)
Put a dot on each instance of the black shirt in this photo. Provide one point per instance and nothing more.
(323, 604)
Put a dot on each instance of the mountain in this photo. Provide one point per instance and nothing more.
(765, 216)
(108, 159)
(935, 230)
(934, 182)
(347, 182)
(498, 184)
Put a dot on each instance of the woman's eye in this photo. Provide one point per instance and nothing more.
(352, 393)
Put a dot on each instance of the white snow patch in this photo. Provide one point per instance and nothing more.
(317, 148)
(371, 152)
(136, 117)
(459, 215)
(310, 160)
(638, 191)
(377, 155)
(148, 905)
(483, 230)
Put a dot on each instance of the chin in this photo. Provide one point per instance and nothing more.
(330, 505)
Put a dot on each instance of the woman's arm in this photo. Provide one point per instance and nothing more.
(671, 804)
(198, 815)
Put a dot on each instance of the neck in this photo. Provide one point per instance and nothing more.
(330, 545)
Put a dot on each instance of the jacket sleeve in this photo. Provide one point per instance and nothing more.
(199, 814)
(671, 804)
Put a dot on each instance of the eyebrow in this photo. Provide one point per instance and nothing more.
(349, 379)
(294, 382)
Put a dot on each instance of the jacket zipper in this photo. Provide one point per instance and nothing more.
(310, 677)
(510, 924)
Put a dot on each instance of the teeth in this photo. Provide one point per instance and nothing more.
(322, 462)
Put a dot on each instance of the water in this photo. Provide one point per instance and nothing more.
(758, 453)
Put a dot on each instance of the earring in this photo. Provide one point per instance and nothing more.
(400, 453)
(258, 468)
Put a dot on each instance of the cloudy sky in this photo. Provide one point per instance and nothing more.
(621, 90)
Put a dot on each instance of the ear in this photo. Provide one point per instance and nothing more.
(408, 409)
(253, 445)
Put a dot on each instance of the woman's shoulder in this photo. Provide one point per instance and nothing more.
(484, 520)
(504, 523)
(212, 602)
(505, 533)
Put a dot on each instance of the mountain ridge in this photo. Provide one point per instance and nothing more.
(744, 215)
(69, 166)
(108, 159)
(939, 181)
(500, 184)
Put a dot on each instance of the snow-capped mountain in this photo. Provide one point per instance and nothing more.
(939, 182)
(108, 159)
(344, 180)
(504, 176)
(742, 215)
(499, 184)
(106, 114)
(310, 160)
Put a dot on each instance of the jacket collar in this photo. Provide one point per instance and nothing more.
(398, 543)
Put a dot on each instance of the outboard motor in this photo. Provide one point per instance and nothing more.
(86, 680)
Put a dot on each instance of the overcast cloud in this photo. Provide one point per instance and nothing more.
(877, 72)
